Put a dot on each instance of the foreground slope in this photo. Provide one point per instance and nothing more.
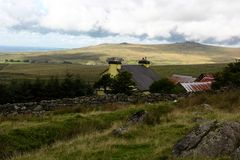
(178, 53)
(87, 133)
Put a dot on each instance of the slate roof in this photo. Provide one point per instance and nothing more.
(141, 75)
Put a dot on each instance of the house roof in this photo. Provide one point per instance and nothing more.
(181, 79)
(197, 86)
(142, 76)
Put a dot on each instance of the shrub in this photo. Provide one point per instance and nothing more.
(229, 77)
(165, 86)
(157, 114)
(122, 83)
(104, 82)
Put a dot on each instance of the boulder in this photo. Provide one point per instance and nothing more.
(38, 108)
(132, 120)
(211, 139)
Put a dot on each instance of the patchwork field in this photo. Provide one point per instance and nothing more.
(92, 73)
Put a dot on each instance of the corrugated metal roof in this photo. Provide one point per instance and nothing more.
(197, 86)
(142, 76)
(181, 79)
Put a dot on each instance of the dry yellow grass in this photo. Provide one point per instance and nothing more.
(181, 53)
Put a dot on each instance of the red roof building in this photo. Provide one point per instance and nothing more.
(176, 79)
(197, 86)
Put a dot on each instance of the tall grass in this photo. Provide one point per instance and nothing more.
(227, 100)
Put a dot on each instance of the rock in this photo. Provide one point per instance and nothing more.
(38, 108)
(132, 120)
(136, 117)
(120, 131)
(16, 107)
(23, 108)
(206, 107)
(212, 139)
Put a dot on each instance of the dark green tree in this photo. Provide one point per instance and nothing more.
(104, 82)
(229, 77)
(123, 83)
(162, 86)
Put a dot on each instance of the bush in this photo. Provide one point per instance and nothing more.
(165, 86)
(122, 83)
(157, 115)
(229, 77)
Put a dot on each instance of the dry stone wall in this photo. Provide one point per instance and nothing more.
(50, 105)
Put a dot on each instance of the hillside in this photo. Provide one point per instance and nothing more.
(159, 54)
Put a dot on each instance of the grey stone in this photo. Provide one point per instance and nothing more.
(38, 108)
(49, 105)
(212, 139)
(119, 131)
(16, 107)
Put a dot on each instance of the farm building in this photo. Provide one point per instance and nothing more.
(191, 84)
(142, 74)
(176, 79)
(197, 86)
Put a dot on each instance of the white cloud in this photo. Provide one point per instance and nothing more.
(198, 20)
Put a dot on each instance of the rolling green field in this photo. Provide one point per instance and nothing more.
(92, 73)
(158, 54)
(86, 133)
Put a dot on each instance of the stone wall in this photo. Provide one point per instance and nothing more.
(50, 105)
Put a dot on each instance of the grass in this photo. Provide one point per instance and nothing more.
(85, 134)
(92, 73)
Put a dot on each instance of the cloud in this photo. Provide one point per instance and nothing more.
(215, 21)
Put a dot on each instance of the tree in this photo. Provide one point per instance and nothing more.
(229, 77)
(104, 82)
(123, 83)
(163, 86)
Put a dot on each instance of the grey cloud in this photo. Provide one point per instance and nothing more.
(34, 27)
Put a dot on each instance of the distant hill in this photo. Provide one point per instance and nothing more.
(10, 49)
(159, 54)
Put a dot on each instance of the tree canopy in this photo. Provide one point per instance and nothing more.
(122, 83)
(229, 77)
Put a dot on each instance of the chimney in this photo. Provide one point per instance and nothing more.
(144, 62)
(115, 64)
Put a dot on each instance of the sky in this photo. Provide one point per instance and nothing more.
(79, 23)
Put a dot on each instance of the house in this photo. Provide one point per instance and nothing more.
(142, 74)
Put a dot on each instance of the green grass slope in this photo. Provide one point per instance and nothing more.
(85, 134)
(92, 73)
(162, 54)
